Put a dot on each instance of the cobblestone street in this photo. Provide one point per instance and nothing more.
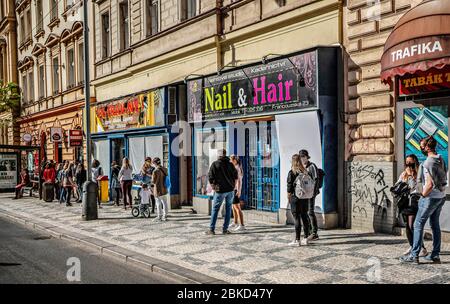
(259, 255)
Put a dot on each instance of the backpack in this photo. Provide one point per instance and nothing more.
(304, 186)
(320, 176)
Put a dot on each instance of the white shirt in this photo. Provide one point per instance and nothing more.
(435, 193)
(145, 196)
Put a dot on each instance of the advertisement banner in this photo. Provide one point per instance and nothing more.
(422, 122)
(56, 135)
(8, 171)
(143, 110)
(287, 84)
(75, 138)
(423, 82)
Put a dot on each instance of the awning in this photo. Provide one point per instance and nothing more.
(419, 41)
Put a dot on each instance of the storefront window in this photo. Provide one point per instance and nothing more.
(101, 153)
(145, 146)
(207, 143)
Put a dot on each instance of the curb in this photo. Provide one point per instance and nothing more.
(179, 273)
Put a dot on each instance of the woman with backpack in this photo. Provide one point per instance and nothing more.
(126, 181)
(300, 189)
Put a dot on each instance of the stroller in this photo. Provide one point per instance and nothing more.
(139, 208)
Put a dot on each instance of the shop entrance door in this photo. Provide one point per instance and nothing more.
(262, 170)
(118, 150)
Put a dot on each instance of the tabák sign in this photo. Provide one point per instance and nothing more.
(75, 138)
(282, 85)
(425, 81)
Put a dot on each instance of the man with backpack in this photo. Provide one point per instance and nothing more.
(317, 175)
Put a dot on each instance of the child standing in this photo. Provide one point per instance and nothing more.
(145, 199)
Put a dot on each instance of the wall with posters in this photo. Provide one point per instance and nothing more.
(8, 170)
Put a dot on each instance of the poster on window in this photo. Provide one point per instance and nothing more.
(8, 171)
(422, 122)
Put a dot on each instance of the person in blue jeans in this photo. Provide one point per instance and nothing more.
(222, 176)
(433, 173)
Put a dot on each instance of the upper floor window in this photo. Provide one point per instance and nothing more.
(80, 63)
(151, 15)
(54, 9)
(24, 88)
(55, 75)
(41, 84)
(22, 28)
(106, 45)
(188, 9)
(124, 25)
(40, 15)
(31, 85)
(28, 25)
(70, 68)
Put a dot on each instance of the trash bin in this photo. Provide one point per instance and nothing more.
(104, 188)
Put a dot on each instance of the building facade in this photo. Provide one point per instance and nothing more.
(387, 112)
(167, 49)
(51, 76)
(9, 133)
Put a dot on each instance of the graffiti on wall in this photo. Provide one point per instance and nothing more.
(368, 189)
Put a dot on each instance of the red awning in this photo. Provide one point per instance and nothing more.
(420, 41)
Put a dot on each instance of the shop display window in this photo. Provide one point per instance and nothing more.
(207, 143)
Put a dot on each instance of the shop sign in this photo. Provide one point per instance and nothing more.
(8, 171)
(137, 111)
(75, 138)
(27, 137)
(422, 82)
(287, 84)
(56, 134)
(416, 50)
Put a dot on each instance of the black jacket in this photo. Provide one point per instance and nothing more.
(223, 175)
(290, 182)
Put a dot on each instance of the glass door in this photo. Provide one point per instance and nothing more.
(118, 150)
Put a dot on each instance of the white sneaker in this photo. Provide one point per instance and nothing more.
(304, 242)
(423, 252)
(233, 225)
(164, 219)
(407, 252)
(294, 243)
(157, 219)
(240, 228)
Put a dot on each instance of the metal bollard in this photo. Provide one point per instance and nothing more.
(89, 202)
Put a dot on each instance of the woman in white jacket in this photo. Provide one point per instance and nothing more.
(126, 181)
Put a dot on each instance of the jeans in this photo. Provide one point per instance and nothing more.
(429, 208)
(299, 209)
(312, 215)
(217, 202)
(62, 194)
(161, 202)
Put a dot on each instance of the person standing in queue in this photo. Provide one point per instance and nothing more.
(96, 171)
(126, 181)
(115, 183)
(160, 190)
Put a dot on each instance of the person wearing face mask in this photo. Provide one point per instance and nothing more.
(433, 176)
(409, 176)
(313, 172)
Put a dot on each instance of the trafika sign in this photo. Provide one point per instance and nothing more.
(56, 134)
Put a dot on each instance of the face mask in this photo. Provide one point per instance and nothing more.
(424, 152)
(412, 165)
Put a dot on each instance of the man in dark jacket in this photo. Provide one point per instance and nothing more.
(222, 177)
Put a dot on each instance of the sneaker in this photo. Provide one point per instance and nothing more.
(409, 259)
(294, 243)
(233, 225)
(164, 219)
(436, 260)
(304, 242)
(210, 232)
(157, 219)
(226, 232)
(239, 228)
(68, 205)
(312, 237)
(423, 252)
(407, 252)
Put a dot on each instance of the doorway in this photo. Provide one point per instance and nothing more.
(117, 150)
(262, 170)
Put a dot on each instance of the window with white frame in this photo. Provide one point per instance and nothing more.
(188, 9)
(106, 38)
(55, 75)
(31, 85)
(152, 17)
(124, 25)
(41, 84)
(40, 15)
(80, 63)
(70, 68)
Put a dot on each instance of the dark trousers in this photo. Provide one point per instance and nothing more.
(126, 190)
(68, 191)
(312, 215)
(299, 209)
(117, 198)
(152, 198)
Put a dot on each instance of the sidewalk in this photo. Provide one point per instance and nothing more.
(260, 255)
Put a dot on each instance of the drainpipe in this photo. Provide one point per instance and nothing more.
(219, 33)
